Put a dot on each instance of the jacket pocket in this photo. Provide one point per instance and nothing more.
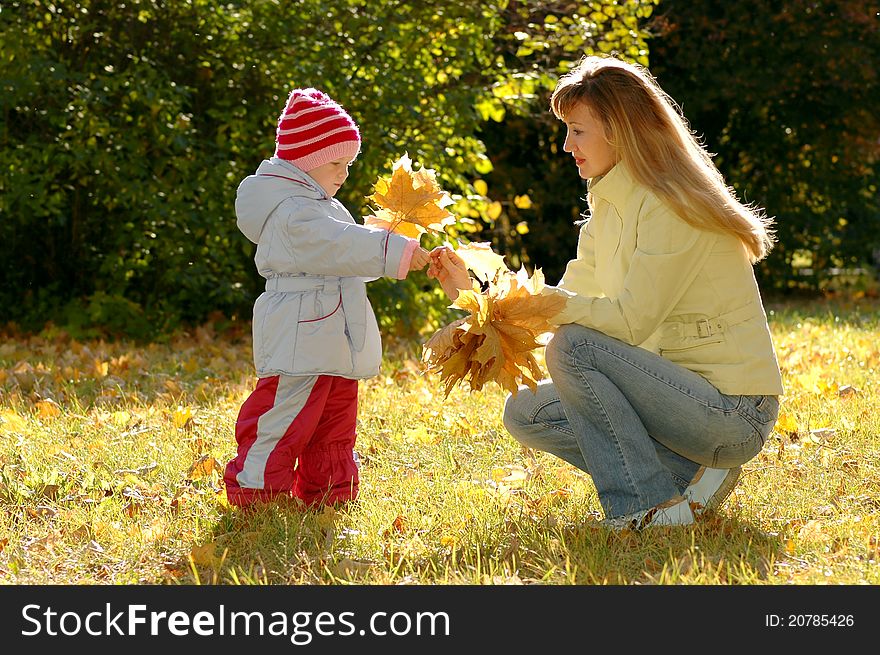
(276, 317)
(322, 343)
(679, 344)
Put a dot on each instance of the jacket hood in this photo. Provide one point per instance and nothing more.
(259, 194)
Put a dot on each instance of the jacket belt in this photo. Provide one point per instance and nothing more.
(296, 283)
(706, 327)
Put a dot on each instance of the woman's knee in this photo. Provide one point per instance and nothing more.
(570, 337)
(517, 417)
(559, 349)
(512, 416)
(559, 345)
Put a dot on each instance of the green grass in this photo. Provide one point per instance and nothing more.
(111, 461)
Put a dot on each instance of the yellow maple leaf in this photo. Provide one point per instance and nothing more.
(513, 475)
(203, 467)
(496, 341)
(48, 408)
(410, 202)
(181, 416)
(786, 424)
(482, 260)
(204, 555)
(418, 434)
(388, 220)
(449, 540)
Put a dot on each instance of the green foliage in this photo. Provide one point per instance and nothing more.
(524, 140)
(116, 180)
(786, 94)
(127, 128)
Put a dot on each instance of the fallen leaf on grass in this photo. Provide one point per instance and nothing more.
(140, 471)
(204, 467)
(821, 435)
(100, 369)
(222, 499)
(419, 435)
(511, 475)
(551, 499)
(449, 540)
(41, 511)
(786, 424)
(349, 568)
(204, 555)
(496, 580)
(11, 422)
(182, 418)
(847, 390)
(813, 531)
(48, 408)
(49, 491)
(327, 518)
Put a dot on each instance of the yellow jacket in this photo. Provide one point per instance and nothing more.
(644, 276)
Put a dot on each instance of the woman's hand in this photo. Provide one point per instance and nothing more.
(450, 270)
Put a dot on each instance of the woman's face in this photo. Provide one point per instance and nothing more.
(586, 141)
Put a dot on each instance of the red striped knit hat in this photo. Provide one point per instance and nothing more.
(313, 130)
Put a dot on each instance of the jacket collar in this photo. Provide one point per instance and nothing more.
(613, 187)
(287, 170)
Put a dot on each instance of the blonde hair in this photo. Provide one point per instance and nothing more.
(652, 137)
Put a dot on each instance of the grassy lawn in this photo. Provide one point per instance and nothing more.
(111, 459)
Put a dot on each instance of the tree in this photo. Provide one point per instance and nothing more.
(127, 127)
(786, 93)
(534, 196)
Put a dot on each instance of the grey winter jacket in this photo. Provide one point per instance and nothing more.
(314, 317)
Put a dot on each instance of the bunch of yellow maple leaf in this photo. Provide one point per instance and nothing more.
(497, 340)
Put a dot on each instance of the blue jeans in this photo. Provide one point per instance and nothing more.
(639, 424)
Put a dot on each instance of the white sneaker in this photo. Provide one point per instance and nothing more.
(675, 511)
(711, 487)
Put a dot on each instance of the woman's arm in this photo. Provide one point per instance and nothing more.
(668, 256)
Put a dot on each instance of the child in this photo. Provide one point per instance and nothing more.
(314, 331)
(664, 379)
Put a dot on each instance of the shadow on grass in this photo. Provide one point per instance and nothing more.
(717, 549)
(286, 545)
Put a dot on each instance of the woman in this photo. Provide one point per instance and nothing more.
(664, 379)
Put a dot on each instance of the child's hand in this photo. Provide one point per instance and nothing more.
(420, 259)
(448, 268)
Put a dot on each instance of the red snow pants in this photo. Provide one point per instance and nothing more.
(295, 438)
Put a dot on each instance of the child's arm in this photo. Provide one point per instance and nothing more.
(323, 245)
(420, 259)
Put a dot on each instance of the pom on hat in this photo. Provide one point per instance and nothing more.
(314, 129)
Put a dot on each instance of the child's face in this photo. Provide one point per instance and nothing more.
(587, 142)
(331, 175)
